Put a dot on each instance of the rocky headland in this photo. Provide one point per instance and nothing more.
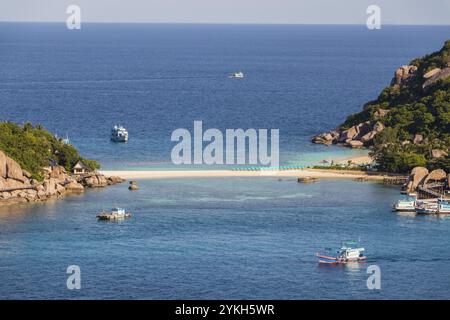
(408, 125)
(18, 186)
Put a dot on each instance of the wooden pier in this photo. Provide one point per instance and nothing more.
(396, 180)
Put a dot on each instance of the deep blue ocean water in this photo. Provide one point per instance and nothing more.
(210, 238)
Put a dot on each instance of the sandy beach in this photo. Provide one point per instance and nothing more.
(298, 173)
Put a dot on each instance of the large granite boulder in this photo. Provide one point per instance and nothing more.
(438, 75)
(403, 75)
(435, 175)
(363, 129)
(2, 164)
(416, 177)
(431, 73)
(50, 186)
(14, 171)
(355, 144)
(368, 137)
(95, 181)
(74, 187)
(348, 134)
(9, 184)
(114, 180)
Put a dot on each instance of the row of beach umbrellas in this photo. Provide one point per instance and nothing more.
(268, 168)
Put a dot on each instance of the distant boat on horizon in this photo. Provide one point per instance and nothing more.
(238, 75)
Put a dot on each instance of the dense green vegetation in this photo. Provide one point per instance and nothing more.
(33, 148)
(412, 110)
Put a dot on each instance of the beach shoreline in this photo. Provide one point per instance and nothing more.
(294, 173)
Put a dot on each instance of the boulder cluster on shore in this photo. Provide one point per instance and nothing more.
(358, 136)
(17, 185)
(362, 134)
(421, 178)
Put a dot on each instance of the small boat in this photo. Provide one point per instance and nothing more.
(119, 134)
(406, 204)
(427, 206)
(114, 214)
(443, 206)
(238, 75)
(349, 252)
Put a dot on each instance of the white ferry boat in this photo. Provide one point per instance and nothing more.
(443, 206)
(119, 134)
(347, 253)
(406, 204)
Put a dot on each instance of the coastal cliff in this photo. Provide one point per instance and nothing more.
(408, 125)
(33, 146)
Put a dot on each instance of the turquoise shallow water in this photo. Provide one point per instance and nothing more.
(228, 238)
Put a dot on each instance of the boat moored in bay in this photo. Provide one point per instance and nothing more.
(443, 206)
(119, 134)
(406, 204)
(349, 252)
(114, 214)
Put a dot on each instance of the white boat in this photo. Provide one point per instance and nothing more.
(239, 75)
(443, 206)
(429, 206)
(349, 252)
(407, 204)
(114, 214)
(119, 134)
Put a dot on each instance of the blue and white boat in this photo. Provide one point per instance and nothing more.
(349, 252)
(429, 206)
(443, 206)
(119, 134)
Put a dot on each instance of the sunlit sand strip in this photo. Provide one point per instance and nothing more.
(299, 173)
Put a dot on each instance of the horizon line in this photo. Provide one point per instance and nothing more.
(227, 23)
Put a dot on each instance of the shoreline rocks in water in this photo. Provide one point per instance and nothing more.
(357, 136)
(17, 186)
(133, 186)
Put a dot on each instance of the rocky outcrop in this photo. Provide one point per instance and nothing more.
(421, 177)
(403, 75)
(133, 186)
(94, 180)
(431, 73)
(434, 76)
(17, 185)
(10, 169)
(435, 176)
(355, 137)
(416, 177)
(327, 137)
(355, 144)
